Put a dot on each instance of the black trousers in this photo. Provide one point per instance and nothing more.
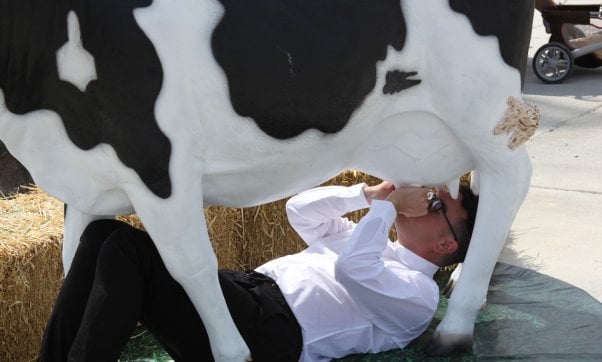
(117, 278)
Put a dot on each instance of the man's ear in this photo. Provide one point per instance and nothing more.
(446, 246)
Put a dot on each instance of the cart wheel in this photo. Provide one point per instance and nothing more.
(552, 63)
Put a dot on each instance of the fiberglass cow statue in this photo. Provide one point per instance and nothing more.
(162, 107)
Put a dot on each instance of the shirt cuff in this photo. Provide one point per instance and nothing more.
(357, 200)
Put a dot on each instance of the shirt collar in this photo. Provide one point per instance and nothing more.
(415, 262)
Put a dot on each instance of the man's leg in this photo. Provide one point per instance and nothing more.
(116, 297)
(71, 302)
(130, 277)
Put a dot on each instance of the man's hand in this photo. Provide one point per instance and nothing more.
(410, 201)
(378, 192)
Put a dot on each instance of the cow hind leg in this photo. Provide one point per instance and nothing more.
(177, 227)
(503, 184)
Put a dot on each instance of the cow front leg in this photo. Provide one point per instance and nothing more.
(501, 192)
(75, 223)
(177, 227)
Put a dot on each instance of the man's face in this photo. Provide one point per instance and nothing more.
(420, 231)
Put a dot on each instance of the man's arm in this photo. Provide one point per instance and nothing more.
(397, 300)
(317, 213)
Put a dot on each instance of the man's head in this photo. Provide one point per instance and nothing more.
(432, 237)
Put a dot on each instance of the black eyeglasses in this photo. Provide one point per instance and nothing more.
(436, 204)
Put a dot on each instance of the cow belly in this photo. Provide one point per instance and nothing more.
(426, 152)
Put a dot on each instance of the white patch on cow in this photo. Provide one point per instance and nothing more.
(75, 64)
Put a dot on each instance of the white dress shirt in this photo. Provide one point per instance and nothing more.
(352, 290)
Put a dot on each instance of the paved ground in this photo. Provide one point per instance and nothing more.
(558, 230)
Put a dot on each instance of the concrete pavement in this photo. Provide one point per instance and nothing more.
(558, 230)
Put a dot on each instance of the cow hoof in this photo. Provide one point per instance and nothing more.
(444, 344)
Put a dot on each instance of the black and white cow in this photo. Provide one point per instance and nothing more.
(165, 106)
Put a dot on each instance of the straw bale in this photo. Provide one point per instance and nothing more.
(31, 227)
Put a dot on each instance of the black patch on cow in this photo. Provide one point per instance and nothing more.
(396, 81)
(117, 108)
(509, 20)
(299, 64)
